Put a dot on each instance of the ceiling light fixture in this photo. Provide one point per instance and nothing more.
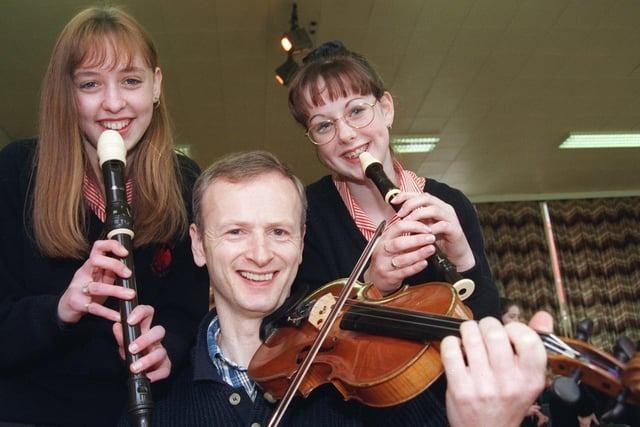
(286, 71)
(601, 140)
(296, 39)
(414, 143)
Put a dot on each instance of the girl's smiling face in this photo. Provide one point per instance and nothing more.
(117, 96)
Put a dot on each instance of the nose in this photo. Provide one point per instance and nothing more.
(344, 132)
(260, 251)
(113, 100)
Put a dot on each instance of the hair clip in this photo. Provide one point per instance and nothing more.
(326, 49)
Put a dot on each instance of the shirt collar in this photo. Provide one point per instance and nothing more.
(95, 199)
(214, 350)
(407, 181)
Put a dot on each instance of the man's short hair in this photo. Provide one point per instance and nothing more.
(242, 167)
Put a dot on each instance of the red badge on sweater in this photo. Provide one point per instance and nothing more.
(161, 260)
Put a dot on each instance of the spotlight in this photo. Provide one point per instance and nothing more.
(286, 71)
(296, 39)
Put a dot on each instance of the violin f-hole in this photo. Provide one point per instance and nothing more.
(325, 348)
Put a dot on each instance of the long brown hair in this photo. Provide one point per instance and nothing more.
(59, 213)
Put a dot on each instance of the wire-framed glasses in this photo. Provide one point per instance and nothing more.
(357, 115)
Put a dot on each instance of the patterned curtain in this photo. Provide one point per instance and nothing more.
(518, 255)
(598, 244)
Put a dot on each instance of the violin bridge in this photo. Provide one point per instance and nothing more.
(321, 309)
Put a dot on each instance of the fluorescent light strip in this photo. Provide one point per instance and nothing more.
(601, 140)
(414, 143)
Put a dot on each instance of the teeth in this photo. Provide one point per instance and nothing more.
(256, 277)
(115, 125)
(354, 154)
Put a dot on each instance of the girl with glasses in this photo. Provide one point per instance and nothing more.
(342, 103)
(60, 362)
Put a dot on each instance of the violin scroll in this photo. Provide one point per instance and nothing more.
(631, 375)
(580, 363)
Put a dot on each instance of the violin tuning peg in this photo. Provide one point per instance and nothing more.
(566, 389)
(624, 349)
(584, 329)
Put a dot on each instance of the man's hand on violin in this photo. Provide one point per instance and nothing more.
(498, 375)
(155, 360)
(94, 282)
(443, 223)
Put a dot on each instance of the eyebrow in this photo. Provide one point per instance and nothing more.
(345, 105)
(283, 223)
(86, 72)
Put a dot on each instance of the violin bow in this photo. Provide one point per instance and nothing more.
(326, 327)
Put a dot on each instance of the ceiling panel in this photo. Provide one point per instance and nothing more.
(502, 81)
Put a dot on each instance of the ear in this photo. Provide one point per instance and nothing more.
(197, 248)
(157, 83)
(386, 105)
(304, 232)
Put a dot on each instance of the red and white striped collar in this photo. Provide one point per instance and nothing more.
(96, 200)
(408, 181)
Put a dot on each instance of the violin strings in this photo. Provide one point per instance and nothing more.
(556, 345)
(419, 316)
(566, 348)
(399, 319)
(405, 322)
(401, 325)
(404, 318)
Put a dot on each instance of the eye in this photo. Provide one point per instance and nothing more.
(280, 233)
(132, 81)
(356, 111)
(322, 127)
(88, 85)
(234, 232)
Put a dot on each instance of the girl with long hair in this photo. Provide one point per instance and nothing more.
(59, 320)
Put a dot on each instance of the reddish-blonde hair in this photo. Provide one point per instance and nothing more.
(59, 213)
(331, 71)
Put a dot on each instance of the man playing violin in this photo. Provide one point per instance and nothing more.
(249, 212)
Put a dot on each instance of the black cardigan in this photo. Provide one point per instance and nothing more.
(73, 375)
(333, 243)
(199, 397)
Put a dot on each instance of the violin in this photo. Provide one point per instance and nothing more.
(589, 365)
(381, 351)
(384, 350)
